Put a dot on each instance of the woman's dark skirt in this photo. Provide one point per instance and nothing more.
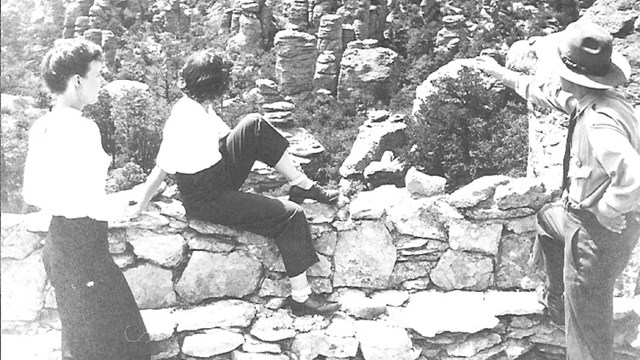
(99, 315)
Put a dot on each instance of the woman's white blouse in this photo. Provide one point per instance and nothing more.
(190, 138)
(66, 167)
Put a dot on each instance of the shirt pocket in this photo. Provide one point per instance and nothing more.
(579, 171)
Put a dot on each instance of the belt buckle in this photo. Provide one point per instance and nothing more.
(568, 206)
(572, 207)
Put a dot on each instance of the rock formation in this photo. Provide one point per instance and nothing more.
(297, 14)
(169, 15)
(248, 40)
(374, 138)
(330, 52)
(295, 61)
(73, 11)
(368, 69)
(320, 8)
(357, 13)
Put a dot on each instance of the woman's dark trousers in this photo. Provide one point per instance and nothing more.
(99, 315)
(593, 258)
(213, 194)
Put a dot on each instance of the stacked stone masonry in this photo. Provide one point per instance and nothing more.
(419, 274)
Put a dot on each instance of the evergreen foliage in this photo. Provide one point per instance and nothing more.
(414, 39)
(467, 131)
(153, 59)
(24, 41)
(15, 133)
(125, 177)
(131, 127)
(335, 125)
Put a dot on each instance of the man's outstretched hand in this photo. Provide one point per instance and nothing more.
(490, 66)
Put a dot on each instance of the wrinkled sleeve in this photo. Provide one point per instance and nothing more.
(166, 153)
(543, 92)
(85, 172)
(621, 161)
(66, 169)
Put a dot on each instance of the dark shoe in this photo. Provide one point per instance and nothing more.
(315, 304)
(554, 306)
(298, 194)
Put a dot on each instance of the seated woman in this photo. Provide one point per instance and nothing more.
(65, 176)
(211, 162)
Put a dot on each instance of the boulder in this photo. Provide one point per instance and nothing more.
(369, 70)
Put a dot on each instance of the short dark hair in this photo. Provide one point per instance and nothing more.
(206, 75)
(67, 58)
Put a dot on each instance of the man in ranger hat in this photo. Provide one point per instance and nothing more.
(586, 241)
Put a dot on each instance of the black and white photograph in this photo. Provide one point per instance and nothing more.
(320, 179)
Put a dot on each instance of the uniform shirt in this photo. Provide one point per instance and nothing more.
(190, 138)
(604, 167)
(66, 167)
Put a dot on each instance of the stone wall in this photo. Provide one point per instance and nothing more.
(419, 274)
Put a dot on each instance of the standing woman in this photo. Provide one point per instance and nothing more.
(65, 175)
(211, 162)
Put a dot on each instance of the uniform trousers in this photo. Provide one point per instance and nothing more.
(213, 194)
(583, 259)
(99, 315)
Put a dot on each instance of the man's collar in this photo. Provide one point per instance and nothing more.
(589, 99)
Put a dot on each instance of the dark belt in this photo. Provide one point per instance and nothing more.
(576, 209)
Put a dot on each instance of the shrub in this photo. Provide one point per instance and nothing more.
(24, 43)
(130, 126)
(125, 178)
(100, 112)
(15, 133)
(153, 59)
(467, 131)
(249, 68)
(415, 40)
(138, 120)
(335, 125)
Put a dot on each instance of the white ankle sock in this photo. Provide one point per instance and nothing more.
(301, 295)
(302, 181)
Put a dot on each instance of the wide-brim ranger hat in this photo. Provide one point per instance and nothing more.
(583, 54)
